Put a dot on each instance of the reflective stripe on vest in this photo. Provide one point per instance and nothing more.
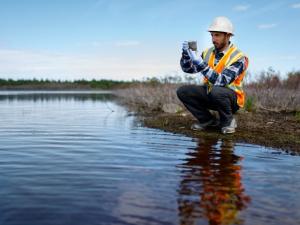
(231, 56)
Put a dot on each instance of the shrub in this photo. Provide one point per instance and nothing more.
(250, 104)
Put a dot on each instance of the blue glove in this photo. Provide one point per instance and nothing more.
(185, 46)
(192, 54)
(196, 59)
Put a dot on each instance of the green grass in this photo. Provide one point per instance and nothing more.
(250, 104)
(297, 116)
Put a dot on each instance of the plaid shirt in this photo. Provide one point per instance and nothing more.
(227, 76)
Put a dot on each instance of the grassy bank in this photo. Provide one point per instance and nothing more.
(271, 116)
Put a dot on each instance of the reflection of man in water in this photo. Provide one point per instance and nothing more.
(211, 187)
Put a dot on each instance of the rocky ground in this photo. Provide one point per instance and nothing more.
(278, 130)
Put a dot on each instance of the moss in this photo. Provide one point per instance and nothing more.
(297, 116)
(258, 132)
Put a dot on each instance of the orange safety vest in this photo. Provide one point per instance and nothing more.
(231, 56)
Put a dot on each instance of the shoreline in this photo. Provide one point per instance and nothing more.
(281, 131)
(267, 128)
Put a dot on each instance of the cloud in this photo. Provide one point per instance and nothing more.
(241, 8)
(275, 57)
(296, 6)
(104, 44)
(266, 26)
(287, 57)
(29, 64)
(127, 43)
(272, 6)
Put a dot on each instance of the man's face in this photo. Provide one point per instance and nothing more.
(219, 39)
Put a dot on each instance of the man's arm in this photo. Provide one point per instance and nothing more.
(190, 63)
(187, 64)
(227, 76)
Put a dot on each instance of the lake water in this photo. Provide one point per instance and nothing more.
(80, 158)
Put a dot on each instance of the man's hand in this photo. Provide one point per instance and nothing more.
(192, 54)
(196, 59)
(185, 46)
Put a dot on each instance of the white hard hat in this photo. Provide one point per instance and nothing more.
(221, 24)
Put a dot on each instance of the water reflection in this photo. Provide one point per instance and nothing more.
(211, 187)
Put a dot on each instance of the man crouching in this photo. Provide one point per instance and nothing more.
(223, 67)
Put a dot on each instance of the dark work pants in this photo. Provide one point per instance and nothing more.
(198, 102)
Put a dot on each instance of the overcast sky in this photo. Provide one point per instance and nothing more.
(132, 39)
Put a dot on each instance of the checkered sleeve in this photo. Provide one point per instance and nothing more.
(188, 66)
(227, 76)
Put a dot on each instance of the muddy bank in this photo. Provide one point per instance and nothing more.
(278, 130)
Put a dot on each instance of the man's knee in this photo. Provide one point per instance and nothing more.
(218, 93)
(183, 91)
(223, 96)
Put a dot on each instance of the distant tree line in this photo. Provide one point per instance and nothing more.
(58, 84)
(265, 80)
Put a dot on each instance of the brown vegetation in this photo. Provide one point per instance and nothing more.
(271, 115)
(267, 93)
(271, 93)
(149, 97)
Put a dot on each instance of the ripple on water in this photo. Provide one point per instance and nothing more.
(68, 159)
